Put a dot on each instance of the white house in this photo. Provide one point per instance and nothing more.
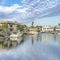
(57, 29)
(47, 28)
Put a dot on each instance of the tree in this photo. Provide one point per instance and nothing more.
(32, 25)
(21, 27)
(4, 26)
(39, 28)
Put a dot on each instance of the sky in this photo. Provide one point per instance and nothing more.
(42, 12)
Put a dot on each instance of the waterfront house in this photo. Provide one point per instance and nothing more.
(57, 29)
(10, 25)
(47, 28)
(33, 30)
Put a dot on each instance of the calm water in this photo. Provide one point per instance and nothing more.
(31, 47)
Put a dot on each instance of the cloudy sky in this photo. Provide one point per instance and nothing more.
(42, 12)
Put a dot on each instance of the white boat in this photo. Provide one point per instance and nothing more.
(59, 33)
(33, 32)
(16, 35)
(16, 39)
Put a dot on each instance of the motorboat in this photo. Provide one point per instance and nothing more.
(43, 32)
(59, 33)
(33, 32)
(16, 35)
(18, 40)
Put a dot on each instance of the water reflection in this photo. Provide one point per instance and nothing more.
(14, 42)
(10, 42)
(31, 47)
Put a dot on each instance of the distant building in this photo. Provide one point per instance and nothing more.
(57, 29)
(11, 25)
(32, 29)
(47, 28)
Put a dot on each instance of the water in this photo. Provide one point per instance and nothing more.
(31, 47)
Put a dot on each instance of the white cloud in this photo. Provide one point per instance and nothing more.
(11, 9)
(23, 10)
(13, 12)
(35, 9)
(39, 8)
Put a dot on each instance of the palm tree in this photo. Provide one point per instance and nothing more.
(32, 25)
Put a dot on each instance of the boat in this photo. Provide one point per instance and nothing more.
(16, 35)
(16, 39)
(32, 32)
(43, 32)
(58, 33)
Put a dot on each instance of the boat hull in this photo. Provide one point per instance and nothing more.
(32, 33)
(15, 36)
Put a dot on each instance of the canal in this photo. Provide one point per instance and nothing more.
(31, 47)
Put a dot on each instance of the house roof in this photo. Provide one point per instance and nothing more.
(9, 22)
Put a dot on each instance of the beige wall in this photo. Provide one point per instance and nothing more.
(14, 27)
